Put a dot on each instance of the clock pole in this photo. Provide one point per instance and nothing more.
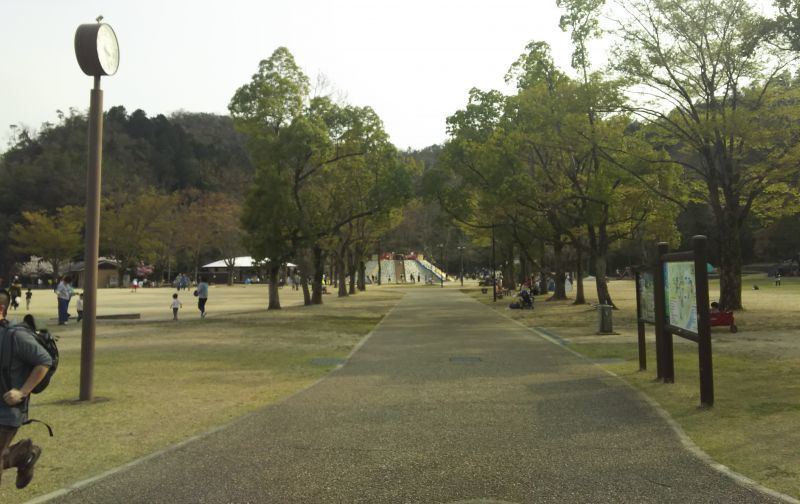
(98, 54)
(93, 184)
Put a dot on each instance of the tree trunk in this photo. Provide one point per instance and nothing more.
(577, 282)
(306, 291)
(274, 298)
(509, 271)
(730, 255)
(362, 276)
(559, 293)
(351, 267)
(603, 296)
(523, 267)
(543, 280)
(231, 269)
(598, 243)
(342, 275)
(319, 272)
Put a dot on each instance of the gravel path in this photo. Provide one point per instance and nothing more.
(446, 402)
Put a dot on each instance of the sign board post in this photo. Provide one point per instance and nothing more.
(703, 323)
(682, 309)
(666, 372)
(645, 309)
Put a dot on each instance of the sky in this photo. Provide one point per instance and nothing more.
(412, 61)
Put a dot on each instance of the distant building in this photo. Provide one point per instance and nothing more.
(107, 273)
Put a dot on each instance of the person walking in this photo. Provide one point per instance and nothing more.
(176, 305)
(202, 296)
(27, 366)
(16, 292)
(28, 296)
(64, 293)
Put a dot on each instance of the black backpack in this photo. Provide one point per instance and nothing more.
(43, 337)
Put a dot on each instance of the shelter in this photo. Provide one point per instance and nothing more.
(107, 273)
(245, 270)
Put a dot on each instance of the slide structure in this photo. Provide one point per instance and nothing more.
(397, 271)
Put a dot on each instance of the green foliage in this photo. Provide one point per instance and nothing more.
(725, 108)
(54, 238)
(46, 170)
(133, 227)
(322, 168)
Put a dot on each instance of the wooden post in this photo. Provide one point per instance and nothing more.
(665, 370)
(703, 322)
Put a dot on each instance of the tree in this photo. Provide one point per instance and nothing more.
(710, 73)
(225, 228)
(56, 239)
(320, 167)
(268, 111)
(130, 228)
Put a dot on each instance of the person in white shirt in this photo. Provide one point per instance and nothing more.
(64, 293)
(79, 307)
(176, 305)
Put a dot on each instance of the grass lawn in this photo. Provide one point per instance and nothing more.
(754, 426)
(159, 382)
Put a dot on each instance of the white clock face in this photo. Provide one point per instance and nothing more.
(107, 49)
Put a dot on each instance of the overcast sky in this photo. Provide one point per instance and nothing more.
(413, 61)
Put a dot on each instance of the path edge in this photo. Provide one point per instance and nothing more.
(88, 481)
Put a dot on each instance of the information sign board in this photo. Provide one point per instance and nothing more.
(647, 297)
(680, 292)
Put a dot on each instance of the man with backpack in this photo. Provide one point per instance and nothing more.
(23, 364)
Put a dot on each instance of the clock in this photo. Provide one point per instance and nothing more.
(97, 49)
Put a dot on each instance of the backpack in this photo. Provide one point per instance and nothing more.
(43, 338)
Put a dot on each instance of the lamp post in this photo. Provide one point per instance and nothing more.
(494, 270)
(461, 261)
(441, 270)
(380, 257)
(97, 51)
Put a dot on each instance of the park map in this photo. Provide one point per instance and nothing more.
(647, 297)
(681, 295)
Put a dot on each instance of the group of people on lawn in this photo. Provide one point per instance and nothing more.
(64, 293)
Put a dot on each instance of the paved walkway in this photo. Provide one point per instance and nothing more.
(416, 417)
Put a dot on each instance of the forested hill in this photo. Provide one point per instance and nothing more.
(47, 170)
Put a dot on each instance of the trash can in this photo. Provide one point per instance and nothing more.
(604, 320)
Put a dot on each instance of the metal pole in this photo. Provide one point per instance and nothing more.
(461, 260)
(441, 271)
(92, 241)
(640, 322)
(703, 323)
(494, 270)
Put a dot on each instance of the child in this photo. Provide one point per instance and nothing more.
(176, 304)
(28, 296)
(79, 307)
